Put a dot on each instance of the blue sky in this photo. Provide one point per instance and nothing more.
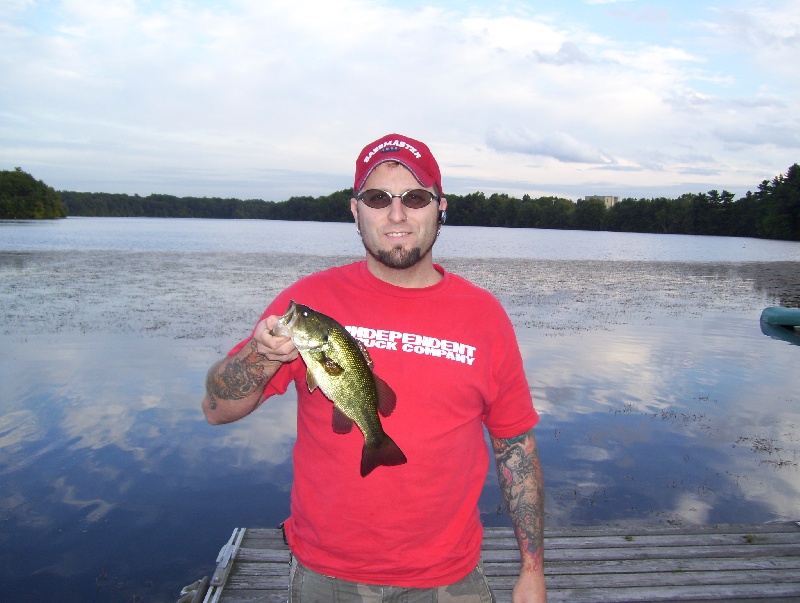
(268, 99)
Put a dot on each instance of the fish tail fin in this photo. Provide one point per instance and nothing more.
(384, 452)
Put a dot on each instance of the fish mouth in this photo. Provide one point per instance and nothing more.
(286, 323)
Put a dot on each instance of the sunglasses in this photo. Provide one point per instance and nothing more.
(414, 199)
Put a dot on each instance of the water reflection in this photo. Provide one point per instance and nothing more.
(661, 401)
(112, 486)
(693, 419)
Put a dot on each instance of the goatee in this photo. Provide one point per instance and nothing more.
(398, 258)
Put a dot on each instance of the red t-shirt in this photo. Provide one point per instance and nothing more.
(450, 354)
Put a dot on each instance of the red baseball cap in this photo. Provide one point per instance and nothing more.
(413, 154)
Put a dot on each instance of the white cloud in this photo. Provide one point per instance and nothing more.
(9, 7)
(766, 33)
(750, 135)
(568, 53)
(557, 145)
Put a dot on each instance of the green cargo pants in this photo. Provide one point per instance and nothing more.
(307, 586)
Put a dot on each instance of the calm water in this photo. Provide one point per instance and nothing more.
(146, 234)
(661, 400)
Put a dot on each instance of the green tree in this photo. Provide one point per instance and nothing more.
(627, 216)
(590, 215)
(530, 213)
(743, 218)
(779, 202)
(557, 213)
(465, 210)
(22, 197)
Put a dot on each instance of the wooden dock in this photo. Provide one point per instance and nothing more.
(742, 563)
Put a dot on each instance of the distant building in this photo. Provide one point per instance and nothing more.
(609, 201)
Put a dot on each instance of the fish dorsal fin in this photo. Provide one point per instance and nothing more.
(364, 353)
(341, 422)
(331, 366)
(311, 381)
(387, 399)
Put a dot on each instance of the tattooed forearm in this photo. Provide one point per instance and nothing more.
(519, 472)
(237, 377)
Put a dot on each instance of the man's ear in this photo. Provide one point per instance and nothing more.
(354, 211)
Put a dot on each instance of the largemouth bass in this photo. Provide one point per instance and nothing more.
(340, 366)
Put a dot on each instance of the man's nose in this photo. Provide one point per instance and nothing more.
(397, 211)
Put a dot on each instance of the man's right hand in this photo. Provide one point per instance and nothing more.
(280, 349)
(235, 384)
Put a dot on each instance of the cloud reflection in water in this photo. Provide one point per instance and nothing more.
(639, 420)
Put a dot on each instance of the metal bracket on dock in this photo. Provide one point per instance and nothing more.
(225, 557)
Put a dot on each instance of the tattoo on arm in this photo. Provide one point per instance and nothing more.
(519, 472)
(236, 378)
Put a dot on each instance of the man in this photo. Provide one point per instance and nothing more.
(410, 531)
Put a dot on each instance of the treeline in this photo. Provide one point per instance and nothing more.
(22, 197)
(330, 208)
(772, 212)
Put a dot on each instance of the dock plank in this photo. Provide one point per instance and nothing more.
(599, 564)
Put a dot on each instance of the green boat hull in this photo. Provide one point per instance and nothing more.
(781, 323)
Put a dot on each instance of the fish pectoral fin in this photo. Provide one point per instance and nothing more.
(363, 349)
(311, 381)
(387, 399)
(341, 422)
(331, 366)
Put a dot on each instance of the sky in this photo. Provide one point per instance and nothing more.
(266, 99)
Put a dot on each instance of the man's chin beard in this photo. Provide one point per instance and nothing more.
(398, 258)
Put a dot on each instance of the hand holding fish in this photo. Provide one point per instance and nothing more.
(273, 347)
(235, 384)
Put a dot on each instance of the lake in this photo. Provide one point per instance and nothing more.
(661, 399)
(148, 234)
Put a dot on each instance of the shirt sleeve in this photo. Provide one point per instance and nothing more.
(509, 410)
